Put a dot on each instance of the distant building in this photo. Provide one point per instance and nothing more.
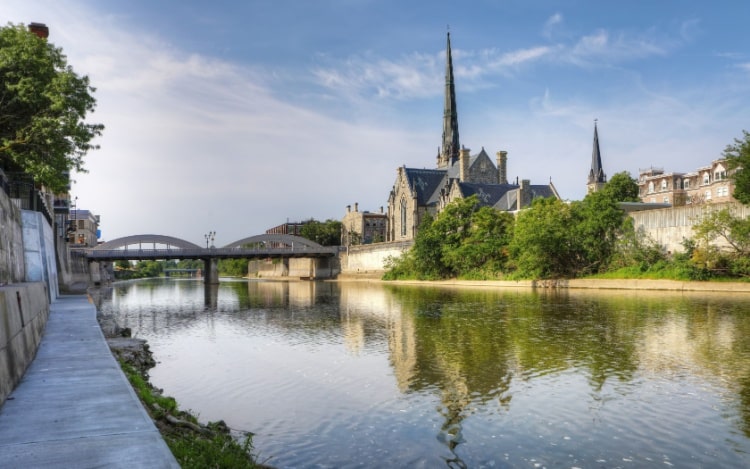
(363, 227)
(418, 192)
(83, 228)
(288, 228)
(710, 183)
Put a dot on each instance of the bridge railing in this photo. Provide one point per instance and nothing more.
(206, 253)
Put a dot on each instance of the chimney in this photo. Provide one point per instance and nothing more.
(40, 29)
(524, 194)
(502, 167)
(463, 161)
(356, 206)
(348, 208)
(381, 209)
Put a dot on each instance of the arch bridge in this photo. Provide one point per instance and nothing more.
(160, 247)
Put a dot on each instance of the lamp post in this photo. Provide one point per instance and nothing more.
(210, 236)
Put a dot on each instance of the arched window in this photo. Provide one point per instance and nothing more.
(403, 217)
(651, 187)
(663, 184)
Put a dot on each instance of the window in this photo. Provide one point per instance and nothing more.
(719, 175)
(651, 187)
(686, 183)
(708, 194)
(403, 217)
(706, 178)
(666, 200)
(663, 184)
(722, 191)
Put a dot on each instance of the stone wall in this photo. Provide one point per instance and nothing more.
(370, 258)
(669, 226)
(24, 310)
(295, 268)
(11, 242)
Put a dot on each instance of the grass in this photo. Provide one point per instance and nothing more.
(193, 446)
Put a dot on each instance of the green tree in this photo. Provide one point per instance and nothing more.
(544, 245)
(233, 267)
(622, 188)
(327, 233)
(738, 158)
(43, 107)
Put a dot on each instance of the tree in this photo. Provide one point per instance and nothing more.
(544, 245)
(43, 107)
(326, 233)
(738, 158)
(622, 188)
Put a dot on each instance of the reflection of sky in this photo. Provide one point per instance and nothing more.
(322, 371)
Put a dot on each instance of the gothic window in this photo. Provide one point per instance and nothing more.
(403, 217)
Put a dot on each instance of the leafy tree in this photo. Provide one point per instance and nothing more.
(233, 267)
(622, 188)
(43, 107)
(723, 225)
(326, 233)
(544, 245)
(738, 157)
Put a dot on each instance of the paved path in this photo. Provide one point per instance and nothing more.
(74, 407)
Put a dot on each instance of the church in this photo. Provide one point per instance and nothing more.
(459, 174)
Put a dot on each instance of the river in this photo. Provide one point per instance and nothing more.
(380, 375)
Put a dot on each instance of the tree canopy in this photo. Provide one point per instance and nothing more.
(327, 233)
(43, 107)
(738, 156)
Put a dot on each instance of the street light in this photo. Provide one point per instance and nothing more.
(210, 237)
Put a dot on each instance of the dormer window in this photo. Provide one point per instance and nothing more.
(706, 177)
(686, 183)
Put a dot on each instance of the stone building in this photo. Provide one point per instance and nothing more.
(459, 174)
(84, 228)
(363, 227)
(707, 184)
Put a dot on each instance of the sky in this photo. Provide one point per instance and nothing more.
(237, 116)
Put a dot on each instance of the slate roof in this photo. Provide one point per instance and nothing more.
(509, 200)
(425, 182)
(488, 194)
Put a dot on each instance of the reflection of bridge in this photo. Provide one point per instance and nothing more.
(255, 247)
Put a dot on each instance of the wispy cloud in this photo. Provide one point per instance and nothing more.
(602, 47)
(551, 24)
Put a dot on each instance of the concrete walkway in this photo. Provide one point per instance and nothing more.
(74, 407)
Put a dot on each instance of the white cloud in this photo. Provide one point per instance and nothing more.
(551, 24)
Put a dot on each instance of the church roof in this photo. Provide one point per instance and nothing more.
(425, 182)
(488, 194)
(509, 200)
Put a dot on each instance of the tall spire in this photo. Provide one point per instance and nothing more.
(597, 178)
(451, 147)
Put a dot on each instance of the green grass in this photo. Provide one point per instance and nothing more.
(191, 449)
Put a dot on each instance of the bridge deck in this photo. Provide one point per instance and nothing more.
(208, 253)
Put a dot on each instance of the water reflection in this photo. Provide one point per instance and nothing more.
(504, 377)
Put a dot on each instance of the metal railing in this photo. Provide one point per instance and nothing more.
(207, 253)
(22, 191)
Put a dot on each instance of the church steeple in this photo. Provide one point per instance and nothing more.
(450, 148)
(597, 178)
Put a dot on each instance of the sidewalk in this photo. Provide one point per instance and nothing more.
(74, 407)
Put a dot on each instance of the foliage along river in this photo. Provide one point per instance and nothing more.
(379, 375)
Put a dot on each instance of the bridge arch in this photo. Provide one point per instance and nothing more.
(277, 240)
(146, 239)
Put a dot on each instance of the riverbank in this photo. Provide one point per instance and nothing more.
(194, 445)
(582, 284)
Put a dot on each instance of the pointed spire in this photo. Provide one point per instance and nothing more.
(451, 146)
(597, 178)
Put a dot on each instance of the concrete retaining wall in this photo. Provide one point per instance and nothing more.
(370, 258)
(669, 226)
(39, 251)
(302, 268)
(24, 310)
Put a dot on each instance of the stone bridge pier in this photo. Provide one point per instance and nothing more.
(211, 271)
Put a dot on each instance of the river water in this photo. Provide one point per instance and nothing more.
(377, 375)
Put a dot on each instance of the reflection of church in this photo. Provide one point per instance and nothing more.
(459, 174)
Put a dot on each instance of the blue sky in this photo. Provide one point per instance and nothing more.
(237, 116)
